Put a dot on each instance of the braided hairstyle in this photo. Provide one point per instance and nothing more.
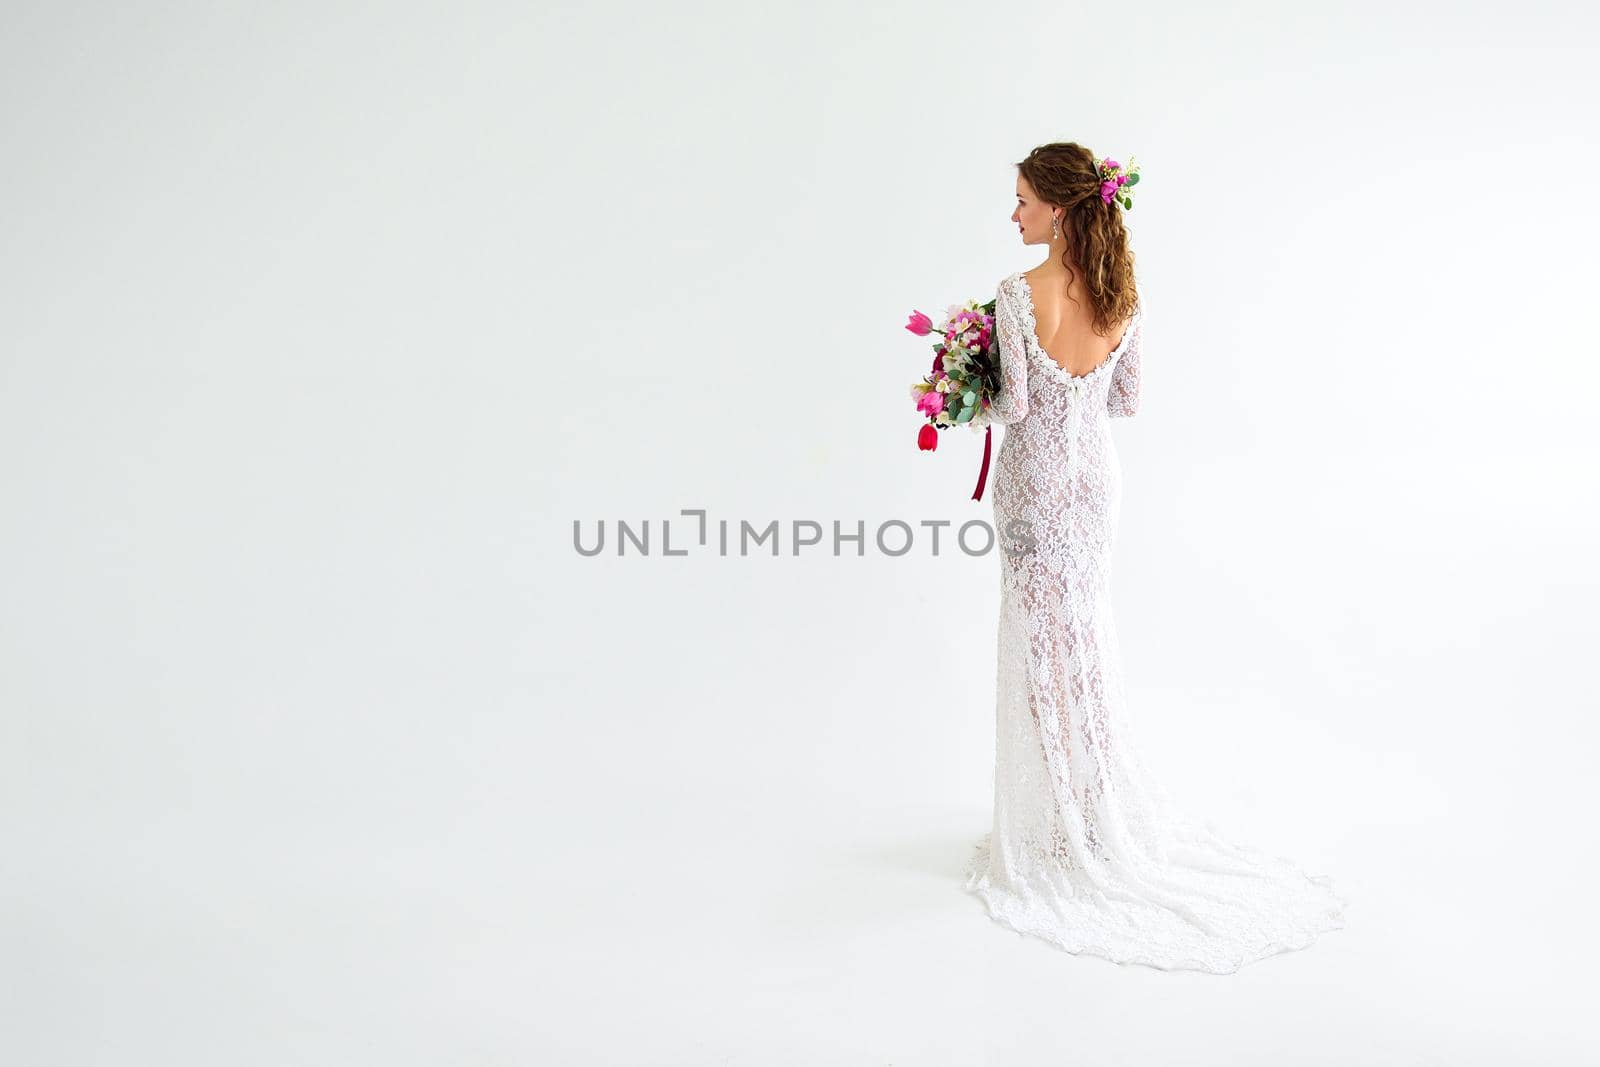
(1067, 175)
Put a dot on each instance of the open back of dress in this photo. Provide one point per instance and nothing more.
(1086, 851)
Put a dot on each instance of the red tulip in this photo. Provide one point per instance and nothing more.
(927, 437)
(920, 324)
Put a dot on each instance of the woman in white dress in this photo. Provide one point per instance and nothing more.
(1086, 851)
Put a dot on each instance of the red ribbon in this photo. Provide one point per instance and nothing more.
(983, 475)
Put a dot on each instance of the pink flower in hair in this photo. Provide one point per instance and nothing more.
(1117, 181)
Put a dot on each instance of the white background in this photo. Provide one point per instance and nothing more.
(323, 323)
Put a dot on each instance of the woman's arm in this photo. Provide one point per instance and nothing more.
(1123, 398)
(1011, 403)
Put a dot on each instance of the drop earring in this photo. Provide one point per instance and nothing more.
(1055, 230)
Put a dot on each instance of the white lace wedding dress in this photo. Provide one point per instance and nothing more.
(1086, 850)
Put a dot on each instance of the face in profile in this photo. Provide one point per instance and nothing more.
(1033, 217)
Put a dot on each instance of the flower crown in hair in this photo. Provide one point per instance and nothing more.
(1117, 181)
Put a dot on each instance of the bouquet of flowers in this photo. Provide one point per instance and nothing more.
(965, 375)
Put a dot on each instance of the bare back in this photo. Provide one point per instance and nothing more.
(1064, 319)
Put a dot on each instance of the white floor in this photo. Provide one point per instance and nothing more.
(752, 857)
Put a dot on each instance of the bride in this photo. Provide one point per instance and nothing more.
(1086, 851)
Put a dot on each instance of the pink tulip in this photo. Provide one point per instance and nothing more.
(930, 403)
(920, 324)
(1110, 163)
(1106, 190)
(1121, 178)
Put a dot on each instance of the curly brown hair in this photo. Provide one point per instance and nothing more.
(1065, 174)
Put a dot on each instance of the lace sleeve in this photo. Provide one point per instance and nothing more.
(1011, 403)
(1122, 400)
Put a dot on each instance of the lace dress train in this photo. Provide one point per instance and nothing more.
(1086, 851)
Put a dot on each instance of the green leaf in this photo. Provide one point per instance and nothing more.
(1133, 179)
(968, 397)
